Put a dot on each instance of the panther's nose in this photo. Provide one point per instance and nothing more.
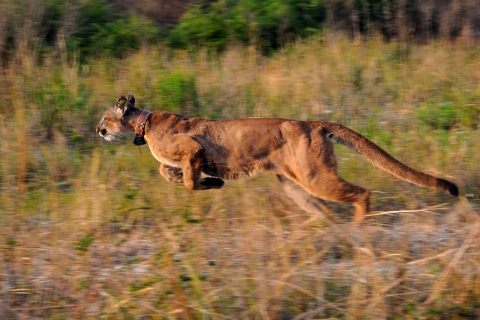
(101, 132)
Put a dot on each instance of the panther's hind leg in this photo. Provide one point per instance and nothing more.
(334, 188)
(305, 200)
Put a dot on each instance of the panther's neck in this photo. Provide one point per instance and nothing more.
(130, 121)
(141, 121)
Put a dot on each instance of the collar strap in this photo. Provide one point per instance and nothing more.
(140, 123)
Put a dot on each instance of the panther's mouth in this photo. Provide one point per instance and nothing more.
(111, 136)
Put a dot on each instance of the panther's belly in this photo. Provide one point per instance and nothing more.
(233, 172)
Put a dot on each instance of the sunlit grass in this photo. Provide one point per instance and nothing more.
(90, 230)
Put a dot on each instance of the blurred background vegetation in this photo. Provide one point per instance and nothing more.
(91, 27)
(90, 230)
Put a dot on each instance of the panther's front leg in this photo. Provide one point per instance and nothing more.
(172, 174)
(191, 166)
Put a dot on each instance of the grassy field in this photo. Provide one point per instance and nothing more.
(90, 230)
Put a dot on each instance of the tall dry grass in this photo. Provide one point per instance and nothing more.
(90, 230)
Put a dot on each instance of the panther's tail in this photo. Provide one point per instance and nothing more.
(383, 160)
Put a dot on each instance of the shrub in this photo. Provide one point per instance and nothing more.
(438, 116)
(268, 24)
(89, 27)
(101, 29)
(178, 93)
(447, 115)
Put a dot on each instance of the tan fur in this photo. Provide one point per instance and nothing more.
(300, 153)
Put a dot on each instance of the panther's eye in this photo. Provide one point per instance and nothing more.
(103, 120)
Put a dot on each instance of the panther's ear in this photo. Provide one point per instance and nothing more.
(120, 102)
(131, 99)
(122, 105)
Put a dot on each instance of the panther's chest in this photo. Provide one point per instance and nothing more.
(165, 160)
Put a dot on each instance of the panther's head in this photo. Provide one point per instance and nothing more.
(118, 119)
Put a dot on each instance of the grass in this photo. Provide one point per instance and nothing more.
(91, 230)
